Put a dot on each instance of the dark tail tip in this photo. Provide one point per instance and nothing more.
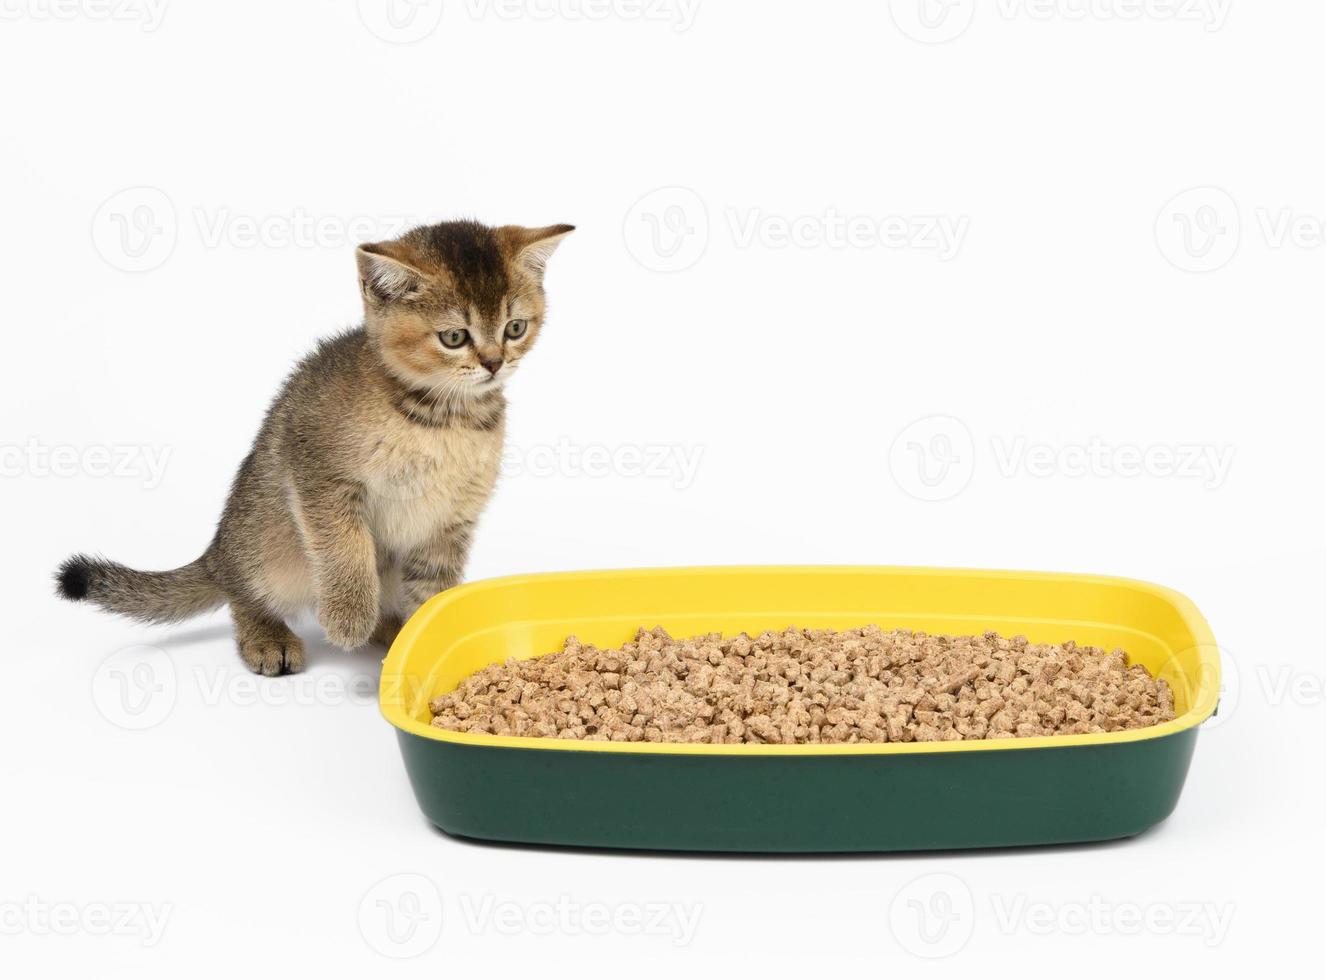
(74, 579)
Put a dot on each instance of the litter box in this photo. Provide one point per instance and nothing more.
(796, 798)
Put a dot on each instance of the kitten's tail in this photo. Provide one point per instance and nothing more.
(153, 597)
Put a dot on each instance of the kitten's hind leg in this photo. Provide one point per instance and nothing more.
(266, 644)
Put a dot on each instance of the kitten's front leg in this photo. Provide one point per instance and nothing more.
(435, 566)
(344, 560)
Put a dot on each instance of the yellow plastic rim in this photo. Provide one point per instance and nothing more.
(410, 666)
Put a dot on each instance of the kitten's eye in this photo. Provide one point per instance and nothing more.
(451, 339)
(516, 329)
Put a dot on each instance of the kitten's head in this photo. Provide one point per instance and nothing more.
(452, 308)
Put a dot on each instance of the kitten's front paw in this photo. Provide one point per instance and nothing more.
(347, 634)
(348, 624)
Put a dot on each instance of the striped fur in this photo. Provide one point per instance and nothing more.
(366, 481)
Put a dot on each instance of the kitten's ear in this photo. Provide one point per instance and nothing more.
(530, 247)
(384, 278)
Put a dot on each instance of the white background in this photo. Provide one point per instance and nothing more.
(160, 169)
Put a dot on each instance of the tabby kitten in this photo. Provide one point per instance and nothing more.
(373, 464)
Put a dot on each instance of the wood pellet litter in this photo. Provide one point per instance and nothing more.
(809, 686)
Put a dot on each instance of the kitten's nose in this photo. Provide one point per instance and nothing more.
(493, 364)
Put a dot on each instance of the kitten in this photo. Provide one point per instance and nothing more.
(362, 490)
